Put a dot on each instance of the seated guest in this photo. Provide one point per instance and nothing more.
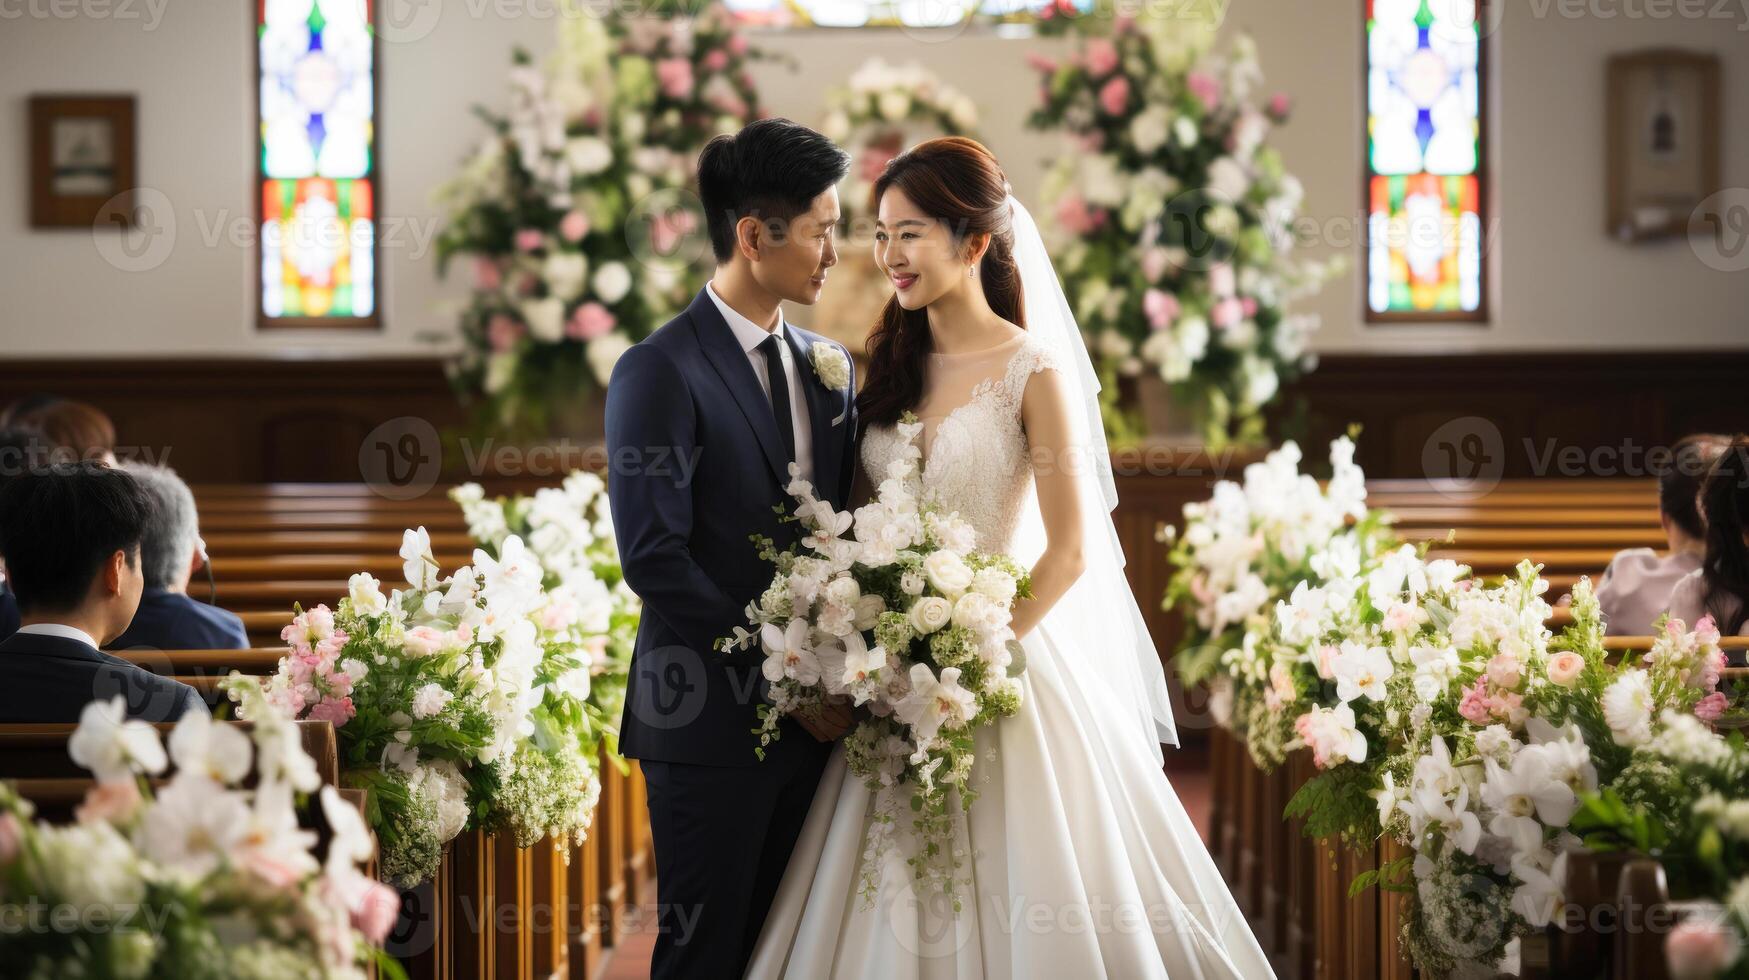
(17, 449)
(1636, 587)
(1720, 587)
(73, 430)
(18, 408)
(71, 536)
(168, 618)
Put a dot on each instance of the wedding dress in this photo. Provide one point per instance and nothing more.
(1080, 862)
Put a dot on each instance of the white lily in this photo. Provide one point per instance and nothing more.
(112, 747)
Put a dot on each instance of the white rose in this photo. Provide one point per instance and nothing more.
(930, 613)
(830, 364)
(894, 106)
(545, 318)
(603, 353)
(975, 611)
(868, 611)
(612, 282)
(911, 583)
(947, 572)
(366, 594)
(1228, 179)
(564, 273)
(995, 583)
(843, 592)
(588, 155)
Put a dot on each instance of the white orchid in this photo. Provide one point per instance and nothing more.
(113, 747)
(788, 654)
(217, 751)
(193, 825)
(1361, 671)
(1526, 798)
(417, 563)
(935, 703)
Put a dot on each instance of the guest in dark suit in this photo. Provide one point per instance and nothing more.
(71, 536)
(168, 618)
(705, 418)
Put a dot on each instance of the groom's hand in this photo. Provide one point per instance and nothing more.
(828, 723)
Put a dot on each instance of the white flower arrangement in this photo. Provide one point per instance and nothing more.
(830, 365)
(445, 699)
(881, 111)
(202, 877)
(904, 620)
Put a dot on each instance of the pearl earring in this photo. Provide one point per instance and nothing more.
(971, 272)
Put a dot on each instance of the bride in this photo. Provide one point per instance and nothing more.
(1077, 858)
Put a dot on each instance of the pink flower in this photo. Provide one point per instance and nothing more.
(1205, 87)
(1503, 671)
(1227, 313)
(1092, 141)
(1279, 107)
(590, 321)
(530, 240)
(716, 60)
(1327, 655)
(1040, 63)
(1101, 57)
(503, 331)
(674, 77)
(1160, 308)
(729, 104)
(11, 838)
(1222, 281)
(1154, 263)
(1123, 23)
(374, 910)
(1114, 97)
(337, 713)
(1710, 707)
(423, 641)
(667, 229)
(487, 275)
(1474, 706)
(1707, 630)
(109, 802)
(1075, 216)
(1565, 668)
(573, 226)
(1700, 948)
(1250, 305)
(737, 45)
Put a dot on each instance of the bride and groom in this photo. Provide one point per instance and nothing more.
(1081, 861)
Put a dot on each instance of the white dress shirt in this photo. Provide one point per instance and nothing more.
(60, 630)
(751, 335)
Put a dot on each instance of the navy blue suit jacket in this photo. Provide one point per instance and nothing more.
(45, 679)
(174, 621)
(695, 466)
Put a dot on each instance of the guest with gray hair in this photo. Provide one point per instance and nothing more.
(168, 619)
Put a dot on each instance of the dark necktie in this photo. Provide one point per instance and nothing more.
(779, 397)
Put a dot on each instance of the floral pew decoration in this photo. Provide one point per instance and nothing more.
(1246, 549)
(458, 702)
(1440, 710)
(200, 877)
(569, 531)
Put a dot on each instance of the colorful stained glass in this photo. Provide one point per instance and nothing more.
(1424, 153)
(317, 159)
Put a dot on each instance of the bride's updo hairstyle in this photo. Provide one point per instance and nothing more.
(957, 182)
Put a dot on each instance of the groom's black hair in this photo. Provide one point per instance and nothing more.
(772, 170)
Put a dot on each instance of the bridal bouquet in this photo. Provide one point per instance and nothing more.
(569, 531)
(201, 877)
(942, 662)
(456, 700)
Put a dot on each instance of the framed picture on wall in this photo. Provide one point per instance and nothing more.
(81, 160)
(1663, 153)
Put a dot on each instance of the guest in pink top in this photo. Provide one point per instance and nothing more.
(1720, 586)
(1636, 587)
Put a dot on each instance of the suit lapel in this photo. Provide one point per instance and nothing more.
(730, 361)
(822, 409)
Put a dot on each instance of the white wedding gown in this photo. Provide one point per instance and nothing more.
(1081, 861)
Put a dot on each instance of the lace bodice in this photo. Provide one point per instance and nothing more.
(975, 456)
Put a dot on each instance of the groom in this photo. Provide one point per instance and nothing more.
(705, 417)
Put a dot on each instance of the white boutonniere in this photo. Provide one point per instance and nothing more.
(830, 364)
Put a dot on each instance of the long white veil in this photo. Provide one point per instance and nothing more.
(1099, 613)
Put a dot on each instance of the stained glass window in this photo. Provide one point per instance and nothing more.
(318, 162)
(1425, 136)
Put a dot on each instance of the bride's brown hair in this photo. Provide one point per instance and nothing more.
(958, 182)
